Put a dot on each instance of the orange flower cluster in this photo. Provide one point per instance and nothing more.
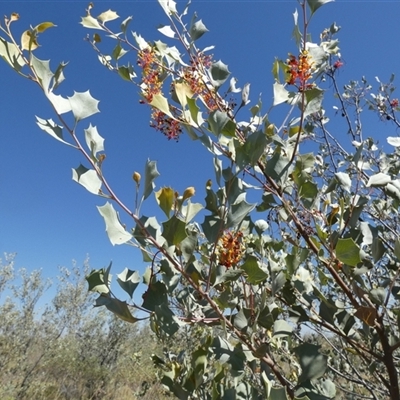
(193, 78)
(152, 70)
(170, 127)
(230, 249)
(300, 70)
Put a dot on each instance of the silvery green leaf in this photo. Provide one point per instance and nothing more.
(379, 179)
(344, 180)
(167, 31)
(54, 130)
(93, 140)
(281, 95)
(91, 23)
(169, 6)
(245, 94)
(197, 30)
(219, 73)
(116, 232)
(83, 105)
(394, 141)
(43, 72)
(61, 104)
(88, 178)
(140, 41)
(108, 16)
(232, 86)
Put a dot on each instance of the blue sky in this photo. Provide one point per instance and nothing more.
(48, 219)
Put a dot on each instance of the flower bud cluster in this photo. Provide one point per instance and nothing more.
(230, 249)
(299, 71)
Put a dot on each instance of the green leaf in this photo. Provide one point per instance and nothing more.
(43, 26)
(116, 232)
(183, 92)
(43, 72)
(191, 210)
(238, 212)
(252, 150)
(54, 130)
(93, 140)
(125, 23)
(118, 52)
(167, 31)
(83, 105)
(297, 35)
(126, 73)
(29, 41)
(281, 95)
(151, 226)
(118, 307)
(165, 198)
(261, 226)
(308, 190)
(166, 319)
(278, 281)
(59, 76)
(282, 328)
(140, 41)
(313, 100)
(254, 274)
(240, 320)
(344, 180)
(88, 178)
(379, 179)
(155, 295)
(61, 104)
(212, 227)
(378, 295)
(348, 252)
(150, 175)
(219, 123)
(10, 53)
(174, 230)
(188, 245)
(219, 73)
(315, 4)
(367, 232)
(278, 167)
(280, 394)
(313, 363)
(128, 280)
(161, 103)
(108, 16)
(169, 6)
(98, 280)
(393, 140)
(378, 249)
(224, 274)
(91, 23)
(195, 113)
(211, 201)
(197, 30)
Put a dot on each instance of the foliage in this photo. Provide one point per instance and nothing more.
(58, 348)
(316, 249)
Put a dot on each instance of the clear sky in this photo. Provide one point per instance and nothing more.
(46, 217)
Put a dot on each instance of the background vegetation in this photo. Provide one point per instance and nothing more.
(61, 348)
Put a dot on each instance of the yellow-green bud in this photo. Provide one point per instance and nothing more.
(189, 192)
(136, 177)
